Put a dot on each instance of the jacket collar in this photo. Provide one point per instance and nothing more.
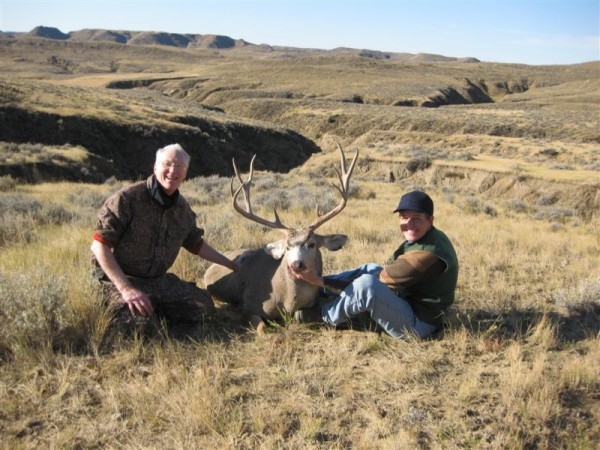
(158, 194)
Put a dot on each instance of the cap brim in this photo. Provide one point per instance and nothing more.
(411, 209)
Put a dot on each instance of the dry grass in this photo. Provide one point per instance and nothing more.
(517, 367)
(516, 188)
(15, 154)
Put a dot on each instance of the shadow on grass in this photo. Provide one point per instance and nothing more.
(578, 323)
(225, 325)
(575, 324)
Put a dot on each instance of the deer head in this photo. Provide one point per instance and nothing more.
(300, 245)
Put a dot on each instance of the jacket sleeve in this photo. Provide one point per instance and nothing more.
(113, 220)
(336, 284)
(411, 268)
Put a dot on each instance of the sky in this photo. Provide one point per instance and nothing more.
(528, 32)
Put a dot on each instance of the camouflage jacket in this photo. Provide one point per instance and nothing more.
(146, 237)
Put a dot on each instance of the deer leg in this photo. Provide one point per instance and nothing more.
(257, 323)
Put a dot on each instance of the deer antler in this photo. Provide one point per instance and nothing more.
(343, 189)
(248, 214)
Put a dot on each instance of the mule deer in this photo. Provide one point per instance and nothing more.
(264, 287)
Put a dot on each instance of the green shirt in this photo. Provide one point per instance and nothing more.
(425, 273)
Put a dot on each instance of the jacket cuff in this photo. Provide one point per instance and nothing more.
(100, 239)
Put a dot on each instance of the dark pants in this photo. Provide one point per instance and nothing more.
(178, 302)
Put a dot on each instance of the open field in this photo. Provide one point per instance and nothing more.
(516, 181)
(517, 366)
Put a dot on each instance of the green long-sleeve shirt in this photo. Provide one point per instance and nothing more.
(425, 273)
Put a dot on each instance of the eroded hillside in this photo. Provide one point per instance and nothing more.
(121, 102)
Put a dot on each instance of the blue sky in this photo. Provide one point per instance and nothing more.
(528, 32)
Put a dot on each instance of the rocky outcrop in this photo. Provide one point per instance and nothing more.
(220, 42)
(140, 38)
(48, 33)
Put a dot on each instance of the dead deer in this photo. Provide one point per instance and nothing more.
(264, 287)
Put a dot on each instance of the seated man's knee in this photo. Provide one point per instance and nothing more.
(370, 268)
(366, 281)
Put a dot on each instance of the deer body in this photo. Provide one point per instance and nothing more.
(264, 286)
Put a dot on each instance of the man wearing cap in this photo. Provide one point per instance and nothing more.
(406, 297)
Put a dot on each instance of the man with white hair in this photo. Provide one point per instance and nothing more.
(138, 235)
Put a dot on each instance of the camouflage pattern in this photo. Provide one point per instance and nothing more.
(145, 237)
(178, 302)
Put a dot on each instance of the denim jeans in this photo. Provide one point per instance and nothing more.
(367, 294)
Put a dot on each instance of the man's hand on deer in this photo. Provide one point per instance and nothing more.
(310, 276)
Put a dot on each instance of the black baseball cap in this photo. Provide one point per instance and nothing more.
(416, 201)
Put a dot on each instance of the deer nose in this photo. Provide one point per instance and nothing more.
(298, 266)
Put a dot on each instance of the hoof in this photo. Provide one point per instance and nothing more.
(261, 329)
(259, 325)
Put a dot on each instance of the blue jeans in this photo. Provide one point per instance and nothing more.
(367, 294)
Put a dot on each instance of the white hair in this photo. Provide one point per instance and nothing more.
(178, 149)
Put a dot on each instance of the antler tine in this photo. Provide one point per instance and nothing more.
(236, 172)
(343, 189)
(345, 179)
(247, 213)
(243, 184)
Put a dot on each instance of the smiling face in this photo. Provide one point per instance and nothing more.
(171, 168)
(414, 225)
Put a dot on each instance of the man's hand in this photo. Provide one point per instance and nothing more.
(308, 276)
(138, 301)
(135, 299)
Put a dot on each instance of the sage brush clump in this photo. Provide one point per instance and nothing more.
(203, 191)
(17, 224)
(20, 218)
(7, 183)
(583, 304)
(32, 307)
(15, 230)
(586, 295)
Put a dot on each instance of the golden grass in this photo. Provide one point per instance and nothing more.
(525, 168)
(506, 374)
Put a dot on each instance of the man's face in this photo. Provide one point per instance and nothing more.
(170, 169)
(414, 225)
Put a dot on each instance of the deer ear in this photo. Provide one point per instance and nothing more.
(334, 242)
(276, 249)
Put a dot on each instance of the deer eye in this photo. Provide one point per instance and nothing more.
(312, 245)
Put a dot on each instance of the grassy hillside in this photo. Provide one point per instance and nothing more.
(516, 182)
(546, 114)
